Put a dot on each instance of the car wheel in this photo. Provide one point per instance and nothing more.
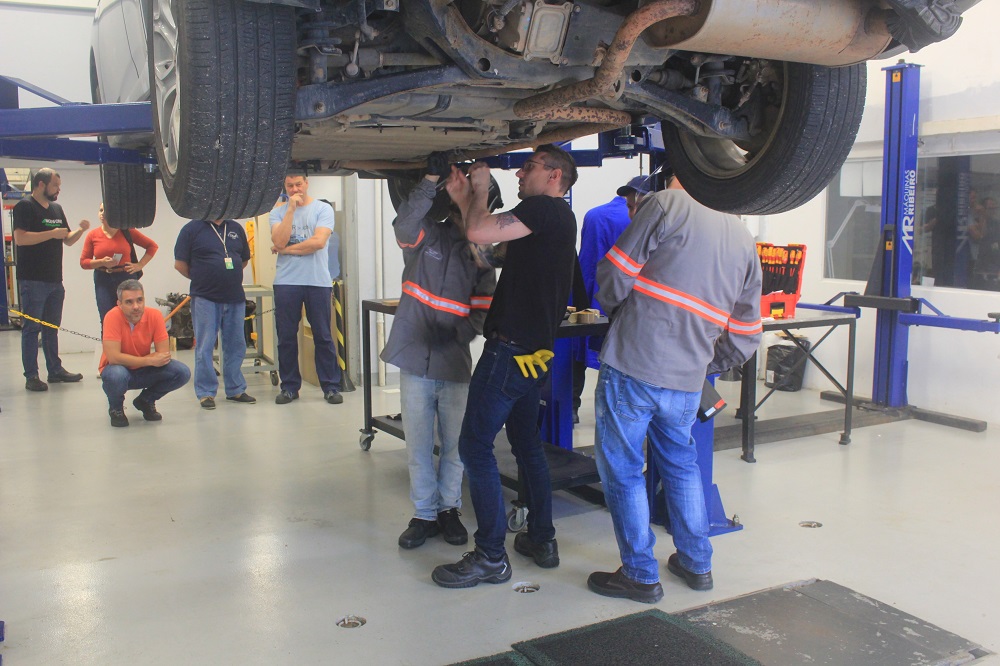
(128, 190)
(129, 196)
(222, 82)
(808, 132)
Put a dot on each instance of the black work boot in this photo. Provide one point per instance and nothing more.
(474, 568)
(148, 409)
(695, 581)
(417, 532)
(118, 418)
(451, 527)
(619, 585)
(545, 554)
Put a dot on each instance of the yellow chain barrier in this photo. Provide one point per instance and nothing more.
(17, 313)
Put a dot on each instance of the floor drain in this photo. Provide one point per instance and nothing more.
(351, 622)
(810, 523)
(525, 587)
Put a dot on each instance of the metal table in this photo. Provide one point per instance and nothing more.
(748, 385)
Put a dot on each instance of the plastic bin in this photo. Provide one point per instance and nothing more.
(781, 372)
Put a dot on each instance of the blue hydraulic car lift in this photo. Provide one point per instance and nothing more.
(888, 289)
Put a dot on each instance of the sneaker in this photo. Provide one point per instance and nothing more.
(619, 585)
(63, 377)
(118, 418)
(245, 398)
(208, 402)
(545, 554)
(700, 582)
(333, 397)
(417, 532)
(35, 384)
(451, 527)
(148, 410)
(286, 397)
(474, 568)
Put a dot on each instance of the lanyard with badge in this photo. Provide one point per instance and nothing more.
(222, 239)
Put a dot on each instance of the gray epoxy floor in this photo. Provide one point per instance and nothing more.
(241, 536)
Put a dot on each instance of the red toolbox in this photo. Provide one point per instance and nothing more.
(781, 266)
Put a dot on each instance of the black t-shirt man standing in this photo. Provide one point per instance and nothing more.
(40, 231)
(528, 305)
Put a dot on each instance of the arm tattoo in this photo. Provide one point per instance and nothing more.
(505, 219)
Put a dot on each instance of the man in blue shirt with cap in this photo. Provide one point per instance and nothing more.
(601, 228)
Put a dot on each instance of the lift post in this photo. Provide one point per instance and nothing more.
(899, 189)
(888, 289)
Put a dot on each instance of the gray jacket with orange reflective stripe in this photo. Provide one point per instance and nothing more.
(445, 295)
(682, 288)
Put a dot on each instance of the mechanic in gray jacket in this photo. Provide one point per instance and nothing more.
(445, 298)
(682, 288)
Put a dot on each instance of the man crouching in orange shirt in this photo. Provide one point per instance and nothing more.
(127, 362)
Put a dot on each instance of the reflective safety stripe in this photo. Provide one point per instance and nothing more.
(624, 262)
(417, 242)
(435, 301)
(481, 302)
(696, 306)
(744, 328)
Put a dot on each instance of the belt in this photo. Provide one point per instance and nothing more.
(495, 335)
(111, 270)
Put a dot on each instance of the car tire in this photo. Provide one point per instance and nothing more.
(128, 190)
(815, 127)
(223, 151)
(129, 196)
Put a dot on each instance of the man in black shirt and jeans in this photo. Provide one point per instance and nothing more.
(40, 231)
(528, 305)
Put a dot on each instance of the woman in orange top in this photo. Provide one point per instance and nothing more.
(108, 253)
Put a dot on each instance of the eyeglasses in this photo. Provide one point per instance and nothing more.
(530, 164)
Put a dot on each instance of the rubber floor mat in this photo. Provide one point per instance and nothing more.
(503, 659)
(651, 638)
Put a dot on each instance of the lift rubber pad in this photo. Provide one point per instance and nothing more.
(820, 622)
(651, 638)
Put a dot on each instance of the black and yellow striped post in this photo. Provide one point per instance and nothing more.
(340, 335)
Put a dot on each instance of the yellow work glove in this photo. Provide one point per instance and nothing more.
(527, 362)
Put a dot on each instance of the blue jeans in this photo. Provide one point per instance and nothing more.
(209, 318)
(629, 411)
(499, 394)
(106, 291)
(154, 382)
(288, 302)
(41, 300)
(425, 401)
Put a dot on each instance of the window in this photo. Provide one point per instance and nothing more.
(956, 234)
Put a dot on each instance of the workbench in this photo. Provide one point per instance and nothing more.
(804, 319)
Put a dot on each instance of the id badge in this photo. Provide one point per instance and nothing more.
(229, 263)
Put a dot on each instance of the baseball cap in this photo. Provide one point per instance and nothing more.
(639, 184)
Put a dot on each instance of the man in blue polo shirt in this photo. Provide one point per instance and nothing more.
(213, 254)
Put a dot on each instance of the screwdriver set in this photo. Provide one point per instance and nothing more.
(781, 266)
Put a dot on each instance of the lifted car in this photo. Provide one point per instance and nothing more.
(760, 101)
